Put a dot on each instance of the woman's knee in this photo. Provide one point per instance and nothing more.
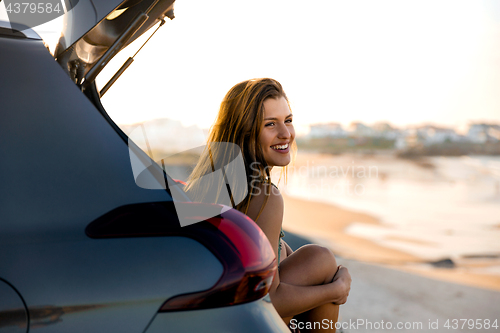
(319, 252)
(324, 258)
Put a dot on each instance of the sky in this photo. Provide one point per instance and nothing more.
(403, 62)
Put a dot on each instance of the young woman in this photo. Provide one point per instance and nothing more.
(255, 115)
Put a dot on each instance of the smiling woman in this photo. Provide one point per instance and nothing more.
(278, 133)
(255, 115)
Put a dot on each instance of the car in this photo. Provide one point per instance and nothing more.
(88, 242)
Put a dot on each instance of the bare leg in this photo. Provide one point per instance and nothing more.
(312, 265)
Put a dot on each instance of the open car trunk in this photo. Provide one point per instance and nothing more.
(95, 31)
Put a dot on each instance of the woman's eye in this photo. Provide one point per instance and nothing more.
(269, 124)
(288, 120)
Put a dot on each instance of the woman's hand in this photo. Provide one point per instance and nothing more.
(341, 285)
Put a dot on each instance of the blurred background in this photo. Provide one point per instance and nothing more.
(396, 107)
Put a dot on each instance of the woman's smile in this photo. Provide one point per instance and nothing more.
(277, 133)
(281, 148)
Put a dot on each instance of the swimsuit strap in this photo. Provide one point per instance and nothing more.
(282, 234)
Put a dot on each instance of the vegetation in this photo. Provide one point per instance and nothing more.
(371, 144)
(345, 145)
(452, 149)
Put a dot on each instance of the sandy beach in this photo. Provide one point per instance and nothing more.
(328, 224)
(391, 287)
(325, 224)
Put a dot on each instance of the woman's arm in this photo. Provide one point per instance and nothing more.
(288, 299)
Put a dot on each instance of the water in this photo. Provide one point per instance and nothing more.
(449, 211)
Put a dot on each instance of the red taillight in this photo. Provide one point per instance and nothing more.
(242, 248)
(248, 259)
(247, 238)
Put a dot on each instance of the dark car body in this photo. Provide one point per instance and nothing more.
(83, 248)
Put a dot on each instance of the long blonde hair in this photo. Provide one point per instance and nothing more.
(239, 121)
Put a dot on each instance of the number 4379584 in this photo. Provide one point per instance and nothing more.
(32, 7)
(471, 324)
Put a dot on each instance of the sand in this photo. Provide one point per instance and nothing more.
(382, 298)
(325, 224)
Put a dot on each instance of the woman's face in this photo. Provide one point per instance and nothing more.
(277, 133)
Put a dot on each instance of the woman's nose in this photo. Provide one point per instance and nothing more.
(283, 132)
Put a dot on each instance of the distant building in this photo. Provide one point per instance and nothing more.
(333, 130)
(382, 127)
(425, 136)
(436, 135)
(482, 133)
(494, 132)
(359, 129)
(386, 131)
(413, 138)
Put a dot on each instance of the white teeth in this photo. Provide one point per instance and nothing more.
(282, 147)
